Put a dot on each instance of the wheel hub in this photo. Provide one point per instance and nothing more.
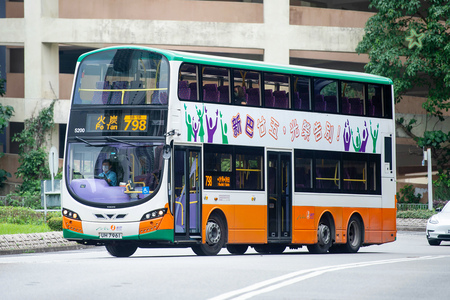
(323, 234)
(213, 233)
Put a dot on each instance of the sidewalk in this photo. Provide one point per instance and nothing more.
(54, 241)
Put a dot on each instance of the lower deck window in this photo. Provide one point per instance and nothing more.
(325, 171)
(233, 167)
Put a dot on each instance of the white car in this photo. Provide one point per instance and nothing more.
(438, 227)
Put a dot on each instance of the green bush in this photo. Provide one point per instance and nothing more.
(415, 214)
(55, 223)
(20, 215)
(407, 195)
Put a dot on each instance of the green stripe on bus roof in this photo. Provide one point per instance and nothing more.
(254, 65)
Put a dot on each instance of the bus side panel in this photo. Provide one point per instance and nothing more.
(389, 224)
(372, 234)
(306, 219)
(250, 224)
(304, 228)
(247, 224)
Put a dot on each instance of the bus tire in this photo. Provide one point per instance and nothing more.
(324, 239)
(121, 250)
(215, 237)
(237, 249)
(270, 249)
(354, 235)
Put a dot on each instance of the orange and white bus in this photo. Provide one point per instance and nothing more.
(172, 149)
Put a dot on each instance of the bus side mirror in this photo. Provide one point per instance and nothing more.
(167, 152)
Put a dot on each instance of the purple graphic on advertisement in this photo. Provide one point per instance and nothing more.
(209, 125)
(195, 128)
(365, 136)
(347, 136)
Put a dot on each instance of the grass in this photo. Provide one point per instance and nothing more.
(6, 228)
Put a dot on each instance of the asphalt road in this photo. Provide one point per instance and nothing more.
(406, 269)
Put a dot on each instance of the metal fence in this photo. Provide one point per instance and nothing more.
(412, 206)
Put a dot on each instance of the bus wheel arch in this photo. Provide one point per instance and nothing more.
(355, 233)
(326, 232)
(216, 235)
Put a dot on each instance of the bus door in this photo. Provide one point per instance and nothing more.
(279, 202)
(187, 198)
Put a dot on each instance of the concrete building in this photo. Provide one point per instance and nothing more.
(40, 41)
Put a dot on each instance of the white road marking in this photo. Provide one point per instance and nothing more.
(294, 277)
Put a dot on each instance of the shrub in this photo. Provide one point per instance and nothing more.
(415, 214)
(20, 215)
(55, 223)
(407, 195)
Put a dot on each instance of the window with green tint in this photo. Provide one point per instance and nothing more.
(353, 98)
(325, 95)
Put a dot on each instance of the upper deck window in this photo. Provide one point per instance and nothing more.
(122, 77)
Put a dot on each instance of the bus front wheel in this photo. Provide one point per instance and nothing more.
(237, 249)
(215, 237)
(121, 250)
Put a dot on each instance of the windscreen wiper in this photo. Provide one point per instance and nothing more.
(119, 141)
(89, 144)
(84, 141)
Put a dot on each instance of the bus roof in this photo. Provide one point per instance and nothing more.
(254, 65)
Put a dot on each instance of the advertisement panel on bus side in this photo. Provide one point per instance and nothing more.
(239, 125)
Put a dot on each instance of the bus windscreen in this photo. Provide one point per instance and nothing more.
(122, 77)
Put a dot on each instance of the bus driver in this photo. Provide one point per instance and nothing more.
(109, 175)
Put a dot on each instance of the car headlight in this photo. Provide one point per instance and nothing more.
(433, 220)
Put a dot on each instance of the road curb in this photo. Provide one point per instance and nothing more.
(36, 242)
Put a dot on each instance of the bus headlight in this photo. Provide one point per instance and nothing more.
(70, 214)
(154, 214)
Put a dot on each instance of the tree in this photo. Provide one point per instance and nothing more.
(6, 113)
(409, 42)
(32, 155)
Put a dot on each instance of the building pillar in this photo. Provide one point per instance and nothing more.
(276, 23)
(41, 60)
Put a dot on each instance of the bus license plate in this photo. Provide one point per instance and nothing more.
(110, 235)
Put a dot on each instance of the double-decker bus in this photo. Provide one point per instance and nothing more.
(172, 149)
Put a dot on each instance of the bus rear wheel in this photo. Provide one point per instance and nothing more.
(354, 235)
(324, 239)
(215, 237)
(237, 249)
(121, 250)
